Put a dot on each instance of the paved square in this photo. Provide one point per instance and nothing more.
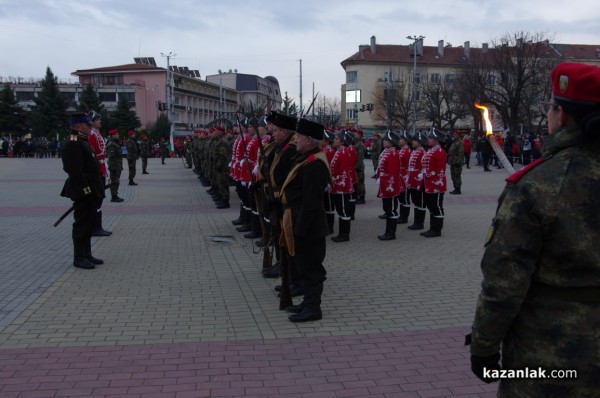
(173, 313)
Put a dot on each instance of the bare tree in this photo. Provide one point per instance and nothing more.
(327, 111)
(393, 101)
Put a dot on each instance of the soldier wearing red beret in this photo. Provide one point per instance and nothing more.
(539, 304)
(132, 155)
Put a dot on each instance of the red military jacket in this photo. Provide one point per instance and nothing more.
(354, 157)
(434, 170)
(342, 167)
(404, 154)
(239, 151)
(329, 152)
(249, 160)
(388, 174)
(415, 167)
(98, 146)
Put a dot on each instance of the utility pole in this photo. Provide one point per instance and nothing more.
(416, 39)
(169, 93)
(300, 115)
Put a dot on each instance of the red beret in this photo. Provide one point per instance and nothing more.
(113, 132)
(576, 82)
(131, 133)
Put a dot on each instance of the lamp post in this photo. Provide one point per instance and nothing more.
(168, 95)
(415, 39)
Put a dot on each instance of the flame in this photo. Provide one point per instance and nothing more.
(486, 117)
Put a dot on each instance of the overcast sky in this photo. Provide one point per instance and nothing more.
(263, 37)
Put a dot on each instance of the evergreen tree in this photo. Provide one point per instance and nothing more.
(289, 107)
(124, 118)
(160, 129)
(89, 101)
(11, 114)
(48, 116)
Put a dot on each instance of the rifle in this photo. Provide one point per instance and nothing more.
(311, 105)
(66, 213)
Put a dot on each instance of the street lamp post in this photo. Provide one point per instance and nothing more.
(415, 39)
(168, 95)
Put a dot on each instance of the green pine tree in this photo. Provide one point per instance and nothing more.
(12, 115)
(89, 101)
(124, 118)
(48, 116)
(160, 129)
(289, 107)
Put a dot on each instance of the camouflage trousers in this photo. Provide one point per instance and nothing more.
(115, 178)
(222, 181)
(131, 165)
(144, 163)
(361, 190)
(455, 172)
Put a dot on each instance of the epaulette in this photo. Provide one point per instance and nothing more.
(515, 177)
(72, 137)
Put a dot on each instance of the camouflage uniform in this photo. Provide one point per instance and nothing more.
(132, 156)
(376, 149)
(144, 154)
(221, 157)
(456, 155)
(114, 160)
(541, 273)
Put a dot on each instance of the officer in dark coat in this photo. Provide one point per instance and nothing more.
(84, 186)
(304, 219)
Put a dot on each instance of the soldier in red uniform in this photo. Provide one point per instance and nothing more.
(96, 142)
(404, 198)
(434, 176)
(329, 151)
(390, 183)
(349, 143)
(238, 152)
(248, 176)
(343, 165)
(415, 180)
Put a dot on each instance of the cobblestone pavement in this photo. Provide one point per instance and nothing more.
(174, 312)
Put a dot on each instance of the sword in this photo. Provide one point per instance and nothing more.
(73, 207)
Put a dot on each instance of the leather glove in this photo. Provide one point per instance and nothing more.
(490, 363)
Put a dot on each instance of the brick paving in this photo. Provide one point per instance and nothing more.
(172, 313)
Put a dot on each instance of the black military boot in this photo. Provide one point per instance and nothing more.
(98, 229)
(272, 271)
(296, 309)
(435, 228)
(79, 259)
(361, 200)
(311, 309)
(246, 226)
(390, 230)
(131, 182)
(240, 219)
(344, 231)
(352, 209)
(419, 220)
(99, 226)
(255, 231)
(88, 253)
(385, 216)
(116, 199)
(456, 191)
(404, 214)
(223, 204)
(330, 221)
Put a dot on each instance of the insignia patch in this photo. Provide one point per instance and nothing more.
(87, 191)
(490, 233)
(563, 83)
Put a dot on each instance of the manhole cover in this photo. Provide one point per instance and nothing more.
(221, 238)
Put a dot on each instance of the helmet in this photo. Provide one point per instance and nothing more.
(345, 136)
(403, 135)
(393, 138)
(93, 115)
(437, 135)
(420, 137)
(328, 135)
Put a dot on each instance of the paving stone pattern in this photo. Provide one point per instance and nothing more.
(173, 313)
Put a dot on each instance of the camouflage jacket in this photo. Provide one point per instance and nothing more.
(114, 157)
(361, 151)
(456, 153)
(541, 261)
(144, 148)
(132, 150)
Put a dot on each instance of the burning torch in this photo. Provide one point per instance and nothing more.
(492, 139)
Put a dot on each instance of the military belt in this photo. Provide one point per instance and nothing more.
(582, 294)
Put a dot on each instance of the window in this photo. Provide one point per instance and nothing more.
(130, 96)
(108, 79)
(351, 76)
(450, 78)
(25, 95)
(387, 76)
(389, 94)
(107, 97)
(352, 96)
(492, 80)
(435, 78)
(351, 114)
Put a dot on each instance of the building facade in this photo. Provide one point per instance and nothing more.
(375, 67)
